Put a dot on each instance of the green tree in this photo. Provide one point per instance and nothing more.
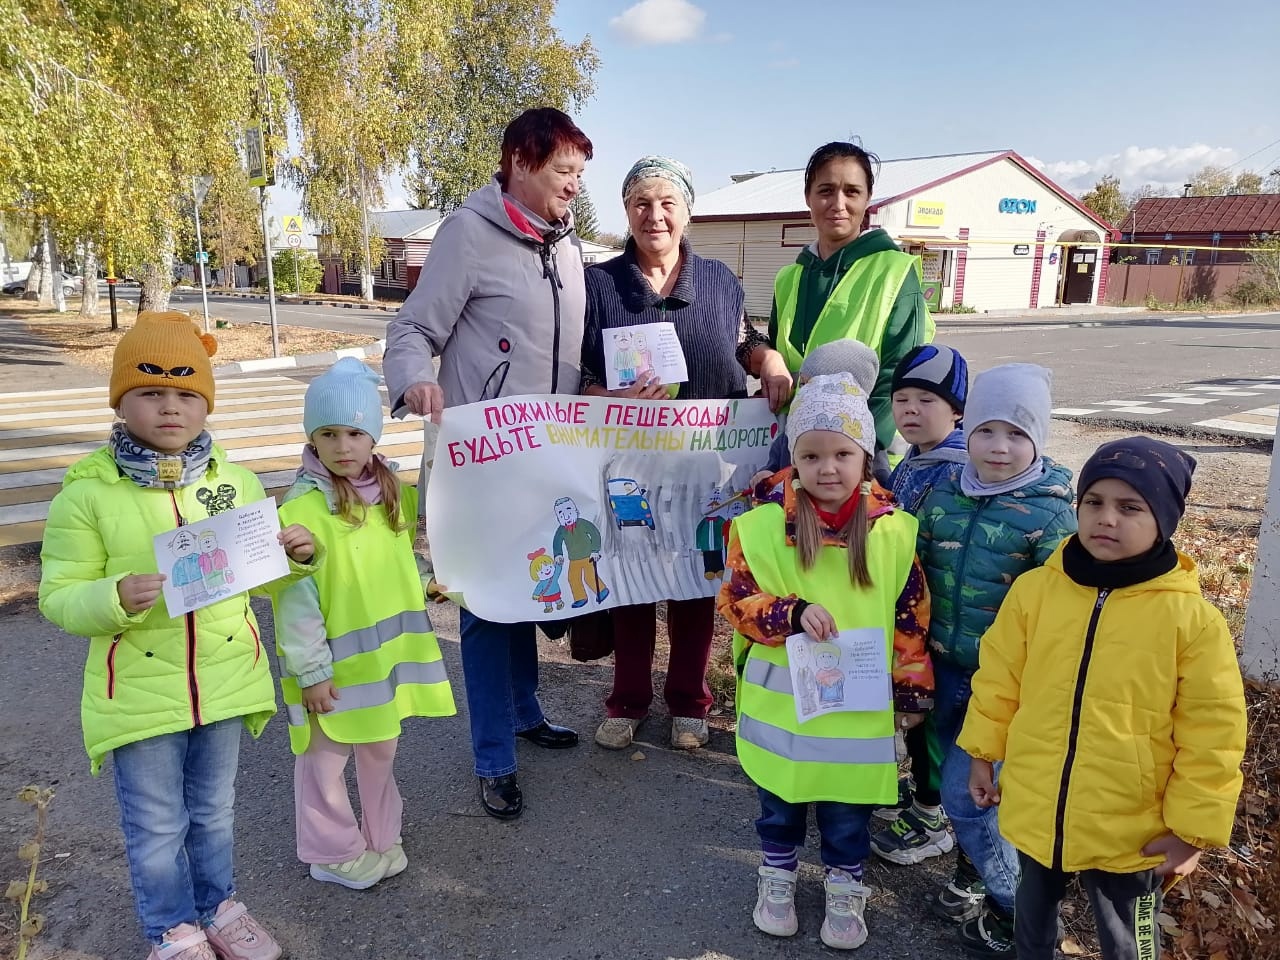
(109, 109)
(1247, 181)
(506, 56)
(1211, 181)
(310, 273)
(585, 221)
(1106, 200)
(361, 77)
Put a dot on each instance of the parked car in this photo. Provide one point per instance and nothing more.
(630, 503)
(71, 286)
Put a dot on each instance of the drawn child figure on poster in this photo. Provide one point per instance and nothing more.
(214, 565)
(545, 571)
(186, 572)
(830, 677)
(578, 541)
(806, 684)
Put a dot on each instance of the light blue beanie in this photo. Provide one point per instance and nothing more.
(345, 395)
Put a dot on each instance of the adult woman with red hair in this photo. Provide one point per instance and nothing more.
(501, 301)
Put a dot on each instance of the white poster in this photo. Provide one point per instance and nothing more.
(847, 673)
(653, 348)
(543, 507)
(225, 554)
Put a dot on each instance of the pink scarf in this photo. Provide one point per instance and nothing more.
(366, 484)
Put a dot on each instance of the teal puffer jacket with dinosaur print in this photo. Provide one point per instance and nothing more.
(973, 548)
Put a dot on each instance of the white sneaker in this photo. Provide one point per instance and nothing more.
(616, 733)
(394, 859)
(689, 733)
(775, 911)
(844, 927)
(357, 874)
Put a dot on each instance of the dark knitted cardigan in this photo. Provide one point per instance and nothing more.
(705, 305)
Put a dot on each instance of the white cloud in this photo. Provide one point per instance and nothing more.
(660, 21)
(1168, 167)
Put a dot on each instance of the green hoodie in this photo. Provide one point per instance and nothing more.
(908, 325)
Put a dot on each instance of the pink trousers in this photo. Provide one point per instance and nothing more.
(326, 824)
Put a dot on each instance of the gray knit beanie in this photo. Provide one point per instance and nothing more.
(1017, 393)
(843, 356)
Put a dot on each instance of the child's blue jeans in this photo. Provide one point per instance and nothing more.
(176, 793)
(842, 827)
(976, 829)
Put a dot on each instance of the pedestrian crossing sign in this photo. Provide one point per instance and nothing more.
(293, 224)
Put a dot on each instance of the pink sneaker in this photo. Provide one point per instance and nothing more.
(234, 935)
(186, 941)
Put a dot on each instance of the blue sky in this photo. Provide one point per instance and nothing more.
(1130, 88)
(1148, 91)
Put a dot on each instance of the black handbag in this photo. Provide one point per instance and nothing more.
(591, 636)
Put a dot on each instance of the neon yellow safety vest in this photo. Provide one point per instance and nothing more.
(857, 309)
(845, 757)
(386, 662)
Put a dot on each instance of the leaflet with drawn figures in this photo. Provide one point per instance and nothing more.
(646, 347)
(847, 673)
(222, 555)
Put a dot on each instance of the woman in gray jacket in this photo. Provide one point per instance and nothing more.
(501, 302)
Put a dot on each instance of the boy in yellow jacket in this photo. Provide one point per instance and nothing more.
(1109, 688)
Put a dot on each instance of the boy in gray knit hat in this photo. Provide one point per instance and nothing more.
(839, 356)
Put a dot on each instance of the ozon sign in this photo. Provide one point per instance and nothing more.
(1010, 205)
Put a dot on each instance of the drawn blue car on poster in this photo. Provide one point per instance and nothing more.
(630, 503)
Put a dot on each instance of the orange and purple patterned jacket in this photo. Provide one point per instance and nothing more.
(763, 618)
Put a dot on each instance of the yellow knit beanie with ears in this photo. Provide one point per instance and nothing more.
(163, 350)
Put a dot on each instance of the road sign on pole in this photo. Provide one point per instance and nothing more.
(293, 240)
(293, 225)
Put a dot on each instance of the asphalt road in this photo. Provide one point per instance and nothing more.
(1108, 364)
(615, 857)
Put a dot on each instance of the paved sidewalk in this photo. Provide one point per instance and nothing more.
(28, 361)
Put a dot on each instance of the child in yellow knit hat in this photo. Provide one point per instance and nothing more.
(165, 697)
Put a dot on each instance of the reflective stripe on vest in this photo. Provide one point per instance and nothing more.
(378, 692)
(858, 308)
(845, 757)
(804, 749)
(386, 661)
(368, 639)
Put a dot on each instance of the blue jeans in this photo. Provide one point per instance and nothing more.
(500, 670)
(976, 829)
(176, 793)
(842, 827)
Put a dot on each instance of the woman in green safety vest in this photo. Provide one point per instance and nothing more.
(850, 283)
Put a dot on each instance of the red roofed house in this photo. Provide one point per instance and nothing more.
(1227, 223)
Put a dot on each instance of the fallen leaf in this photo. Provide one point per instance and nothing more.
(34, 924)
(1071, 948)
(1211, 899)
(638, 755)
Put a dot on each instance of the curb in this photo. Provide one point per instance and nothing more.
(310, 302)
(326, 359)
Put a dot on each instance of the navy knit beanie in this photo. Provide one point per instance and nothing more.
(935, 368)
(1157, 470)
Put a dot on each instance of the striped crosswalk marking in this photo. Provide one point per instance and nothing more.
(258, 420)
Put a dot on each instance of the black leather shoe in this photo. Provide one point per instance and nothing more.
(550, 736)
(501, 797)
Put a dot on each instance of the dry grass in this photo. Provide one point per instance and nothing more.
(90, 343)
